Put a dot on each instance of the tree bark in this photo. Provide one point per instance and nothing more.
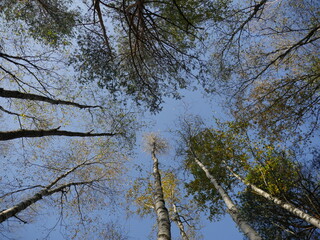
(288, 206)
(46, 191)
(231, 207)
(163, 220)
(50, 132)
(178, 221)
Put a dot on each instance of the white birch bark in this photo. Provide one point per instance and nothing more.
(163, 220)
(46, 191)
(288, 206)
(10, 212)
(179, 223)
(231, 207)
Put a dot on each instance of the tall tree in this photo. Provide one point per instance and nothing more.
(247, 230)
(147, 50)
(288, 206)
(182, 211)
(40, 100)
(285, 194)
(156, 145)
(270, 174)
(196, 146)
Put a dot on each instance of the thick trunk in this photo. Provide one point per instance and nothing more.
(178, 221)
(289, 207)
(4, 136)
(164, 231)
(231, 207)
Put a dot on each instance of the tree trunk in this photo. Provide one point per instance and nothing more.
(46, 191)
(178, 221)
(288, 206)
(163, 220)
(231, 207)
(10, 212)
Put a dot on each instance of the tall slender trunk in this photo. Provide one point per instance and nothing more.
(178, 221)
(163, 220)
(231, 207)
(288, 206)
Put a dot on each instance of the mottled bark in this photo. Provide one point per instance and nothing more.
(50, 132)
(163, 220)
(10, 212)
(231, 207)
(288, 206)
(176, 218)
(46, 191)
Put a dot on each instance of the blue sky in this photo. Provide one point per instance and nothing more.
(197, 104)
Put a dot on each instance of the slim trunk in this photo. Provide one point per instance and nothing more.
(10, 212)
(164, 232)
(231, 207)
(46, 191)
(289, 207)
(178, 221)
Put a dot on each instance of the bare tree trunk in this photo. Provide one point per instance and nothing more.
(231, 207)
(289, 207)
(177, 220)
(46, 191)
(10, 212)
(163, 220)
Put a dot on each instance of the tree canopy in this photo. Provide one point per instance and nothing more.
(77, 79)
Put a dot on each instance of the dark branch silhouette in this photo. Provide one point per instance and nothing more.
(50, 132)
(29, 96)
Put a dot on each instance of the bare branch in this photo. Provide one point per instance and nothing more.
(51, 132)
(29, 96)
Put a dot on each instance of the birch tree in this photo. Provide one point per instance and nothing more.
(289, 192)
(232, 209)
(44, 192)
(215, 177)
(156, 145)
(75, 180)
(182, 211)
(286, 191)
(286, 205)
